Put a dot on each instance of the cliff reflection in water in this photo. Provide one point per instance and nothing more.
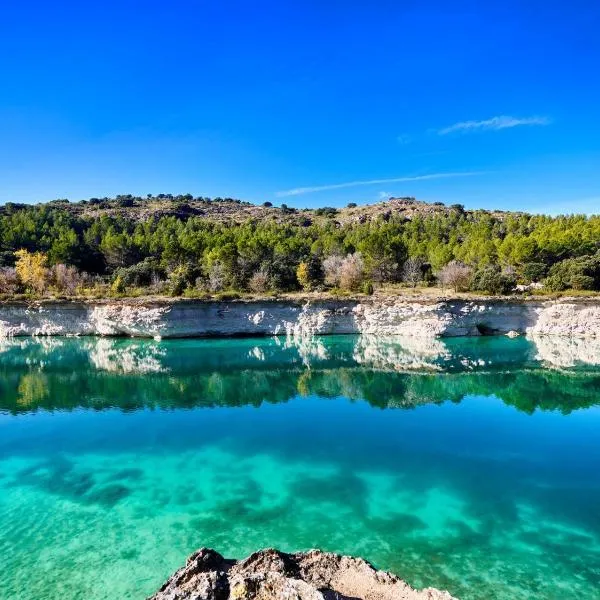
(101, 373)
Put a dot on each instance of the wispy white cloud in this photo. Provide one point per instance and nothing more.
(349, 184)
(404, 139)
(493, 124)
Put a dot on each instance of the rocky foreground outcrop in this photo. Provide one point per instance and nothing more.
(273, 575)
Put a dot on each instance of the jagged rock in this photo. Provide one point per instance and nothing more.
(204, 577)
(273, 575)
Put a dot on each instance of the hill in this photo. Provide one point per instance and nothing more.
(229, 210)
(193, 245)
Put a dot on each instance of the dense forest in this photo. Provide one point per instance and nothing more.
(193, 246)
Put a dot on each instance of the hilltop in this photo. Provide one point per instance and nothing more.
(230, 210)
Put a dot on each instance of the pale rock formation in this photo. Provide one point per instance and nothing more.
(380, 317)
(409, 319)
(123, 319)
(273, 575)
(571, 319)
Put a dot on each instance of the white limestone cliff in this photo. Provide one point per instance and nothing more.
(138, 318)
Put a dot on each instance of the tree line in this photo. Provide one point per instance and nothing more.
(52, 248)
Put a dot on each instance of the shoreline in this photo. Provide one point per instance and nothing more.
(384, 316)
(420, 295)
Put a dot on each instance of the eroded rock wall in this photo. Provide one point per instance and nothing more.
(279, 317)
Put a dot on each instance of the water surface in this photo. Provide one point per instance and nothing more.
(469, 464)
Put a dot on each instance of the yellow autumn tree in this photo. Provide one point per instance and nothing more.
(32, 270)
(303, 275)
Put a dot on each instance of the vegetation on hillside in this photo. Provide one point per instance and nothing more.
(185, 245)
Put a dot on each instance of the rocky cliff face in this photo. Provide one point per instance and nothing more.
(273, 575)
(576, 319)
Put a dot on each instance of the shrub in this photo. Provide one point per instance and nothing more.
(346, 273)
(492, 280)
(141, 274)
(582, 282)
(282, 273)
(9, 281)
(368, 288)
(455, 274)
(66, 279)
(124, 201)
(555, 283)
(117, 287)
(326, 211)
(259, 282)
(216, 277)
(332, 267)
(352, 272)
(310, 273)
(534, 271)
(569, 273)
(412, 273)
(179, 279)
(31, 270)
(225, 296)
(302, 275)
(351, 205)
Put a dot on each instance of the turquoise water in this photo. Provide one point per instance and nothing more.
(470, 464)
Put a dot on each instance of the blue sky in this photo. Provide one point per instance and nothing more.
(490, 104)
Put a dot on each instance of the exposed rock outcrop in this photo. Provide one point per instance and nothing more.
(273, 575)
(378, 316)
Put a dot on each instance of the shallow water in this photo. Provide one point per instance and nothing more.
(469, 464)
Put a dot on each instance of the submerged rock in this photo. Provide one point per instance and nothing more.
(273, 575)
